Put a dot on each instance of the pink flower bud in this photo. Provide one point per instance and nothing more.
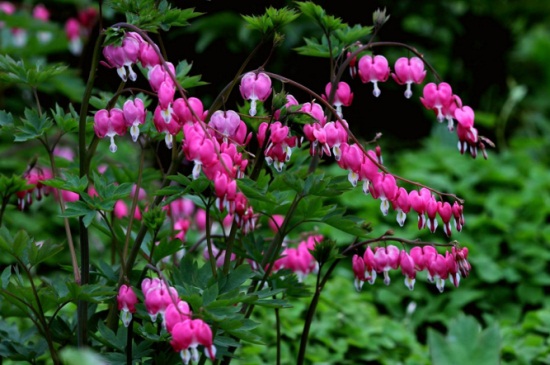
(40, 12)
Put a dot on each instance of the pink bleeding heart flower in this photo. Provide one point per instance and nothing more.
(127, 301)
(124, 56)
(191, 111)
(374, 69)
(407, 268)
(409, 71)
(342, 97)
(254, 87)
(73, 33)
(188, 335)
(134, 114)
(109, 123)
(176, 313)
(436, 97)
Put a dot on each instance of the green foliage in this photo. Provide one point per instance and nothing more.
(272, 20)
(341, 34)
(12, 71)
(465, 342)
(152, 16)
(185, 80)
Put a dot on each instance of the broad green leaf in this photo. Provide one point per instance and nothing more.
(40, 252)
(166, 248)
(110, 338)
(465, 342)
(210, 294)
(6, 274)
(236, 278)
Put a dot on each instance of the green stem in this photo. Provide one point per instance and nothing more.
(129, 337)
(229, 247)
(41, 316)
(209, 246)
(278, 328)
(270, 256)
(133, 209)
(82, 311)
(68, 233)
(5, 201)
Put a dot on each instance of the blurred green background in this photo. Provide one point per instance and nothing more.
(496, 56)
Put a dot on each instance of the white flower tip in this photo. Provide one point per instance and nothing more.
(133, 75)
(122, 73)
(113, 147)
(134, 132)
(168, 139)
(358, 284)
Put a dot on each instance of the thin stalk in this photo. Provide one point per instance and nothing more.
(278, 328)
(74, 261)
(312, 307)
(269, 257)
(82, 311)
(136, 247)
(72, 251)
(5, 201)
(211, 257)
(35, 93)
(133, 208)
(129, 336)
(229, 247)
(41, 317)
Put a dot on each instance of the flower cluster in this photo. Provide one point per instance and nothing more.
(438, 97)
(214, 142)
(177, 318)
(35, 178)
(299, 259)
(453, 265)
